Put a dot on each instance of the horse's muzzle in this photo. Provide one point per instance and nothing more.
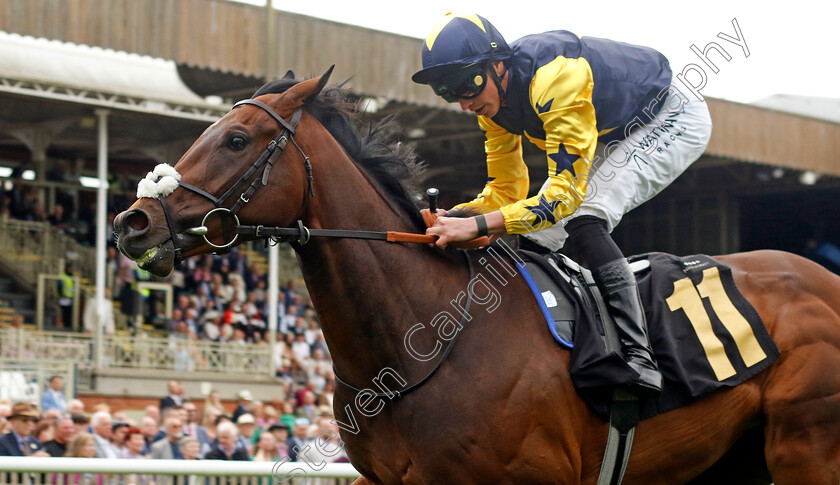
(136, 241)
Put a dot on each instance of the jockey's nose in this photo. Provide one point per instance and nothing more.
(132, 223)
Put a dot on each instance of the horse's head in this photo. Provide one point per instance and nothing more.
(193, 207)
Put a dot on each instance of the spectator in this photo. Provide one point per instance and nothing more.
(288, 415)
(175, 397)
(135, 444)
(280, 430)
(63, 433)
(5, 412)
(148, 428)
(43, 431)
(80, 422)
(270, 416)
(52, 416)
(192, 428)
(308, 409)
(266, 449)
(189, 448)
(153, 412)
(118, 435)
(330, 448)
(83, 445)
(208, 424)
(53, 397)
(236, 289)
(213, 402)
(102, 406)
(245, 399)
(258, 412)
(100, 423)
(300, 348)
(90, 315)
(19, 441)
(66, 292)
(122, 417)
(75, 406)
(167, 447)
(298, 441)
(212, 328)
(287, 322)
(246, 426)
(225, 448)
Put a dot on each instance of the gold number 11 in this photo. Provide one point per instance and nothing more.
(688, 298)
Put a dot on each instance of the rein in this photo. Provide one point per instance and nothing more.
(302, 234)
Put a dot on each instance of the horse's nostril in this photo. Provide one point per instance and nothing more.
(137, 222)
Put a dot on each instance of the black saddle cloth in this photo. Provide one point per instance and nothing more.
(705, 335)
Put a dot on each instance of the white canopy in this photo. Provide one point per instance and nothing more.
(100, 77)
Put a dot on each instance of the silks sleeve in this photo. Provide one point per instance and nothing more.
(507, 174)
(561, 94)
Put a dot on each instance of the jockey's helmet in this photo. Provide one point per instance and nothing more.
(457, 50)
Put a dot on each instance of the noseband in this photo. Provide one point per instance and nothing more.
(263, 163)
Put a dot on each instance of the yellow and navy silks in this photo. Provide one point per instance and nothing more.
(565, 93)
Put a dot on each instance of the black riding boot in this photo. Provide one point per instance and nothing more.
(618, 285)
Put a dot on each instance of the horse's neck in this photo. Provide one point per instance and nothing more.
(368, 294)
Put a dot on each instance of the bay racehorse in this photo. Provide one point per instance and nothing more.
(502, 407)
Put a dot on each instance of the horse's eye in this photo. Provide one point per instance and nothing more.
(237, 142)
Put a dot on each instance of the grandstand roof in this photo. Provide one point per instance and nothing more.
(65, 71)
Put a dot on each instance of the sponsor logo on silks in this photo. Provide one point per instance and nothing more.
(694, 265)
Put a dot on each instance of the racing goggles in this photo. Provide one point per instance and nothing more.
(464, 83)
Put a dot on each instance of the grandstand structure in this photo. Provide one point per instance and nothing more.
(158, 72)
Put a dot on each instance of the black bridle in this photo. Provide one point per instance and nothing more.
(258, 175)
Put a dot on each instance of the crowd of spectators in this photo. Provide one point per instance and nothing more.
(176, 428)
(224, 299)
(218, 298)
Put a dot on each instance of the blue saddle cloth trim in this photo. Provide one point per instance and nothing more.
(552, 327)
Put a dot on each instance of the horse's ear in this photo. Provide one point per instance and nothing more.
(306, 90)
(289, 74)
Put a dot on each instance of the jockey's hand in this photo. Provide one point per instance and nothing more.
(453, 229)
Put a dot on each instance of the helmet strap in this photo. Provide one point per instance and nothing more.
(497, 80)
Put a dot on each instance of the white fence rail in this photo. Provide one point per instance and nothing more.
(93, 471)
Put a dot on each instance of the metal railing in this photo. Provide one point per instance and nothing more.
(92, 471)
(137, 352)
(32, 248)
(184, 354)
(23, 380)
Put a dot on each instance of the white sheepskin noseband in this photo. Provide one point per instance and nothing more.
(160, 182)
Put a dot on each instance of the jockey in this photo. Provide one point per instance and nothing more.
(615, 132)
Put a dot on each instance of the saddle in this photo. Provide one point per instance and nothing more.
(705, 335)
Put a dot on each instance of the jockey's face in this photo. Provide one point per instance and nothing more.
(487, 103)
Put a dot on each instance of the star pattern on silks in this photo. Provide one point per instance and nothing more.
(489, 179)
(543, 211)
(544, 107)
(562, 161)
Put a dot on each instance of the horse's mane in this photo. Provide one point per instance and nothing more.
(375, 147)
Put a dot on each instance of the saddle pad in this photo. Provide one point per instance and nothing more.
(705, 335)
(557, 308)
